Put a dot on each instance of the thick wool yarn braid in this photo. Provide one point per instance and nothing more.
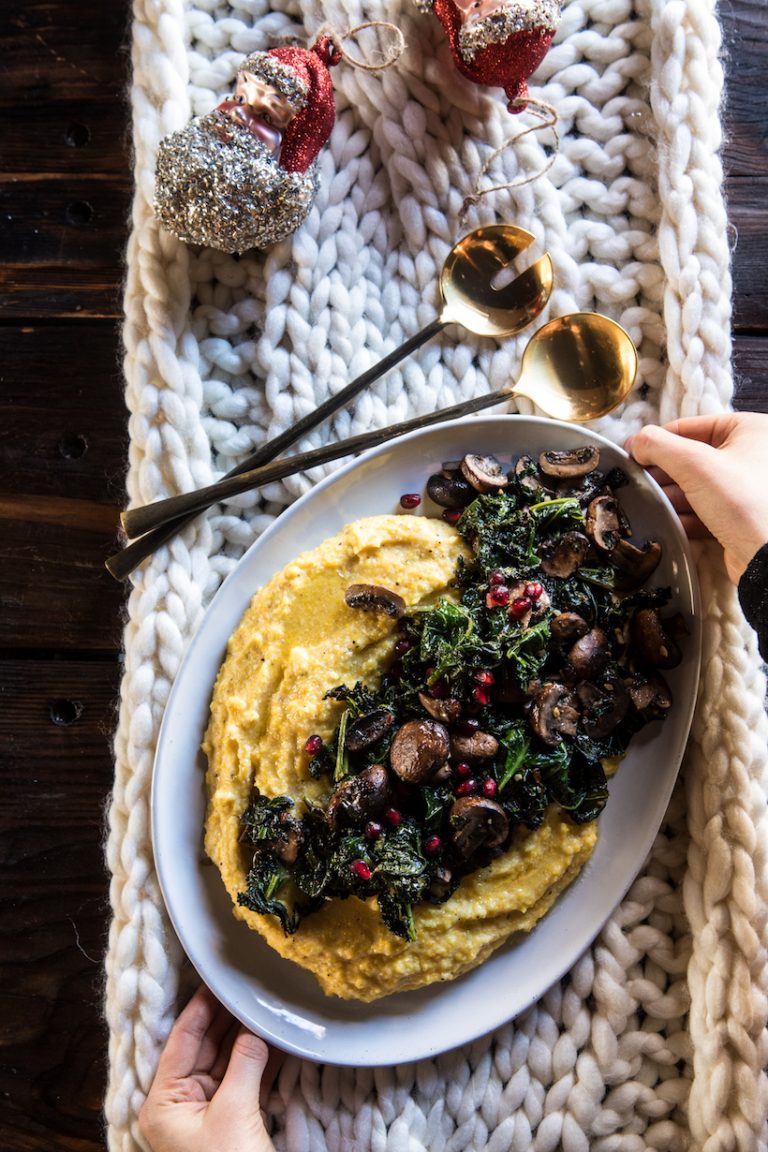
(656, 1038)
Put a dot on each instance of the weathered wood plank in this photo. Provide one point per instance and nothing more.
(747, 199)
(745, 40)
(750, 368)
(55, 775)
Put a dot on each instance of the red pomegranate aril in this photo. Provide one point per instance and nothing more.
(481, 696)
(466, 788)
(519, 606)
(452, 515)
(410, 500)
(497, 577)
(497, 596)
(485, 678)
(439, 690)
(393, 817)
(489, 788)
(373, 830)
(432, 845)
(402, 647)
(534, 590)
(463, 771)
(313, 745)
(361, 870)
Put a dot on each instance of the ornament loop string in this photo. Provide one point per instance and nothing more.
(388, 58)
(547, 118)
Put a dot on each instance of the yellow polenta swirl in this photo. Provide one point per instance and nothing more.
(297, 639)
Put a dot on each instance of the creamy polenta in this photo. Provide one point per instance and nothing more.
(297, 640)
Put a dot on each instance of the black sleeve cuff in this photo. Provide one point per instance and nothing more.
(753, 597)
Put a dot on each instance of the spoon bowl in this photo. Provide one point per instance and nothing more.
(576, 368)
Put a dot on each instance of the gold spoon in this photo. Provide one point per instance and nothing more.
(471, 298)
(575, 368)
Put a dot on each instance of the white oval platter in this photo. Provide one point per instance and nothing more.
(274, 997)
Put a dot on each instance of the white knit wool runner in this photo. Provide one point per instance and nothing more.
(657, 1037)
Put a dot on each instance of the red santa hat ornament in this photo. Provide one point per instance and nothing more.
(498, 43)
(245, 176)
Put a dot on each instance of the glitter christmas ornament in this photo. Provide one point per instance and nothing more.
(245, 175)
(499, 43)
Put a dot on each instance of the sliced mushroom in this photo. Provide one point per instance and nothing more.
(589, 655)
(651, 641)
(562, 555)
(602, 523)
(450, 490)
(367, 730)
(484, 473)
(566, 465)
(568, 626)
(605, 706)
(527, 473)
(375, 598)
(473, 748)
(634, 565)
(359, 798)
(553, 713)
(418, 750)
(477, 823)
(446, 711)
(650, 696)
(441, 885)
(287, 850)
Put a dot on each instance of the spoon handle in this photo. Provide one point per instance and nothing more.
(140, 520)
(123, 563)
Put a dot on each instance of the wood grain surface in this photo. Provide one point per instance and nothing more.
(64, 203)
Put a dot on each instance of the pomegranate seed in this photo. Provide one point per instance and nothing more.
(534, 590)
(485, 678)
(481, 695)
(452, 515)
(373, 830)
(313, 745)
(393, 817)
(361, 869)
(467, 725)
(432, 845)
(497, 596)
(463, 771)
(519, 606)
(489, 788)
(438, 690)
(466, 788)
(402, 647)
(410, 500)
(497, 577)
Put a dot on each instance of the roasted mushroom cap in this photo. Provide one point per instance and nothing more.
(484, 473)
(446, 711)
(602, 523)
(367, 730)
(418, 750)
(450, 491)
(634, 565)
(651, 641)
(527, 473)
(574, 462)
(477, 823)
(474, 748)
(359, 798)
(605, 706)
(650, 696)
(589, 655)
(287, 850)
(562, 555)
(553, 713)
(375, 598)
(442, 884)
(568, 626)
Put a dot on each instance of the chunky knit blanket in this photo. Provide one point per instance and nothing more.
(657, 1038)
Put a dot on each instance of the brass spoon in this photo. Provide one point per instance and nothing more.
(470, 299)
(575, 368)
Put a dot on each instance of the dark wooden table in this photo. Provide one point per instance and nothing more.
(64, 203)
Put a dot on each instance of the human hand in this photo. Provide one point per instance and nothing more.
(205, 1095)
(714, 469)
